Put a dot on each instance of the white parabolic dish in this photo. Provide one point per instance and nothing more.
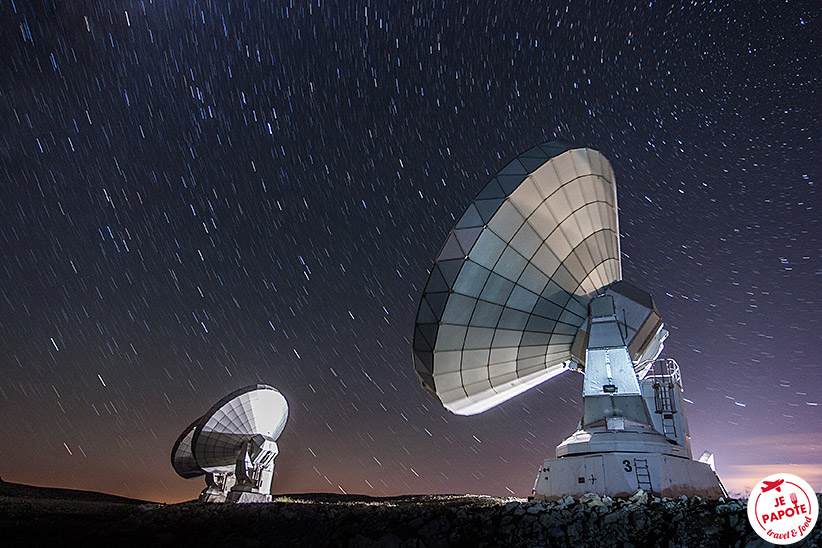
(182, 458)
(212, 443)
(510, 288)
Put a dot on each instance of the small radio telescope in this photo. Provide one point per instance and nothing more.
(234, 445)
(528, 285)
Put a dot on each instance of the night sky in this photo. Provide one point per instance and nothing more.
(198, 196)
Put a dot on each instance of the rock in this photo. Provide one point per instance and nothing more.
(755, 541)
(536, 508)
(527, 520)
(639, 497)
(729, 508)
(574, 530)
(556, 532)
(588, 498)
(417, 523)
(386, 541)
(547, 521)
(511, 506)
(611, 518)
(435, 527)
(565, 501)
(639, 521)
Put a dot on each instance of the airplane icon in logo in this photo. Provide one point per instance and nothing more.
(773, 485)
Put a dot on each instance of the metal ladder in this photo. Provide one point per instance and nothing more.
(665, 407)
(643, 476)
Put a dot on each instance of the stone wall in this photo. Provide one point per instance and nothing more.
(408, 522)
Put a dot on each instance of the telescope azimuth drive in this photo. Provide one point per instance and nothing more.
(529, 285)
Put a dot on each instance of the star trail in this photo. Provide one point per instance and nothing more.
(199, 196)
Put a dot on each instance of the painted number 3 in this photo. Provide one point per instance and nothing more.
(627, 464)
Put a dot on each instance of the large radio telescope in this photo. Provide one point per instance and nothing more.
(234, 445)
(529, 285)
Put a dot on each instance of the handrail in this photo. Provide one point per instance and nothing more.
(669, 370)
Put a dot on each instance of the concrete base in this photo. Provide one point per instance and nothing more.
(212, 494)
(620, 474)
(247, 496)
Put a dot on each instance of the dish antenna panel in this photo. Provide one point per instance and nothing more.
(234, 445)
(529, 285)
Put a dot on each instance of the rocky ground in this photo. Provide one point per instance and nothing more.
(412, 521)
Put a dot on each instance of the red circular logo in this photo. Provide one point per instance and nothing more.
(783, 508)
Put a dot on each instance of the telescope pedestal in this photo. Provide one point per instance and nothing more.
(638, 460)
